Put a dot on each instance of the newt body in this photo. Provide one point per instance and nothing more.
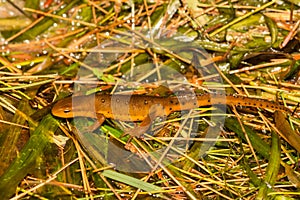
(147, 108)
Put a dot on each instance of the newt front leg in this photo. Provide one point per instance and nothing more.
(155, 111)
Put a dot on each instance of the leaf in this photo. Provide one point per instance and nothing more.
(272, 169)
(148, 187)
(14, 23)
(39, 139)
(292, 176)
(108, 78)
(272, 28)
(258, 144)
(286, 131)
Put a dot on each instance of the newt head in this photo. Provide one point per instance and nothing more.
(63, 108)
(79, 106)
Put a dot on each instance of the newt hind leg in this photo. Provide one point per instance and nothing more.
(139, 130)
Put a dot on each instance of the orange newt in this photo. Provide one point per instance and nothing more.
(147, 108)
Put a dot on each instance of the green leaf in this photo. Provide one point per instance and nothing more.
(108, 78)
(272, 169)
(148, 187)
(39, 139)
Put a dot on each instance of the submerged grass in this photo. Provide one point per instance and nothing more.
(161, 48)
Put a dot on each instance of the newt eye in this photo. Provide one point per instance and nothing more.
(67, 111)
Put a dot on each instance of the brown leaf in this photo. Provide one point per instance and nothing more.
(283, 125)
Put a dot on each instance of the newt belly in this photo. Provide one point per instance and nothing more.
(146, 108)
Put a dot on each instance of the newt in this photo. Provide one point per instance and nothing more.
(147, 108)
